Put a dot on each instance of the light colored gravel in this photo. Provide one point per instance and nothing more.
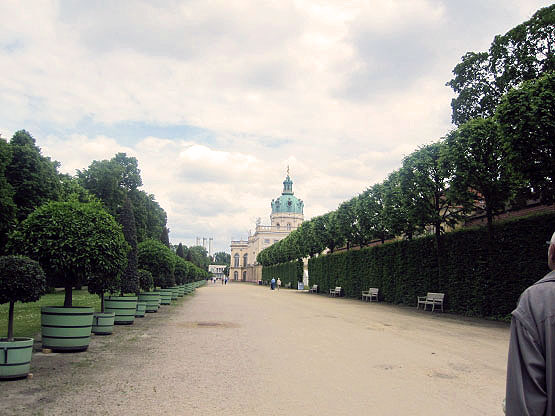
(246, 350)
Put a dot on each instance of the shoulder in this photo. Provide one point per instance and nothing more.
(536, 302)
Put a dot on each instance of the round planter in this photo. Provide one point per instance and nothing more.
(180, 291)
(66, 329)
(123, 306)
(152, 300)
(141, 310)
(166, 296)
(175, 292)
(103, 323)
(15, 357)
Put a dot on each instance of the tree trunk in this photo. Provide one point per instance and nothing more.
(10, 322)
(102, 302)
(68, 296)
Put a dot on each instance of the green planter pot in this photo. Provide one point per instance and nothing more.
(103, 323)
(175, 292)
(66, 329)
(123, 306)
(141, 310)
(166, 296)
(180, 291)
(152, 300)
(15, 357)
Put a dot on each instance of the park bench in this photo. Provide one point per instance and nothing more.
(433, 299)
(336, 291)
(371, 294)
(314, 289)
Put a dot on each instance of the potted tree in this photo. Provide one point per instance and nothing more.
(158, 260)
(23, 280)
(103, 321)
(151, 298)
(72, 241)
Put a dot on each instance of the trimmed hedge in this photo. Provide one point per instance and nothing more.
(403, 270)
(290, 272)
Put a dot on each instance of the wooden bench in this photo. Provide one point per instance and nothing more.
(336, 292)
(371, 294)
(314, 289)
(433, 299)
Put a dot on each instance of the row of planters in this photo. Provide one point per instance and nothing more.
(73, 244)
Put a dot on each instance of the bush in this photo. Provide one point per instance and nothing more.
(290, 272)
(403, 270)
(145, 280)
(158, 260)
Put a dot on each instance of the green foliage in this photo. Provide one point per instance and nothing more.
(181, 271)
(150, 218)
(221, 257)
(523, 53)
(129, 280)
(158, 260)
(146, 281)
(480, 170)
(527, 120)
(71, 190)
(33, 177)
(165, 237)
(73, 241)
(7, 206)
(198, 256)
(21, 279)
(405, 269)
(290, 272)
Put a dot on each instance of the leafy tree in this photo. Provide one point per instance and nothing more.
(523, 53)
(73, 241)
(102, 178)
(480, 178)
(198, 256)
(130, 178)
(129, 279)
(179, 251)
(165, 237)
(395, 209)
(527, 120)
(71, 190)
(34, 177)
(181, 271)
(145, 280)
(21, 280)
(158, 260)
(221, 257)
(348, 223)
(7, 206)
(369, 209)
(332, 237)
(150, 218)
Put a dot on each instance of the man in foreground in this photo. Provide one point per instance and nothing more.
(531, 365)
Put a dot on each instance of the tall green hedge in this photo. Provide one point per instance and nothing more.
(290, 272)
(403, 270)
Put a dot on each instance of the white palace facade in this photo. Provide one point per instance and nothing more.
(287, 215)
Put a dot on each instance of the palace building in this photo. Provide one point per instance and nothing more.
(287, 215)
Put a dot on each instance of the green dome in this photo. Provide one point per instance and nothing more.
(287, 202)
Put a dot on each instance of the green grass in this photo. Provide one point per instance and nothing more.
(27, 315)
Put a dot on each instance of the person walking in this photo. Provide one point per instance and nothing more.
(273, 283)
(278, 283)
(530, 389)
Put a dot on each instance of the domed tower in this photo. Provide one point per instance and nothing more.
(287, 209)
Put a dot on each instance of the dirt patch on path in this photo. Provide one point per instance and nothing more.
(241, 349)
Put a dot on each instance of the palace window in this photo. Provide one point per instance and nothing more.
(288, 226)
(235, 275)
(245, 258)
(266, 241)
(236, 260)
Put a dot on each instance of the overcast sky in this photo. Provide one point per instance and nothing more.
(216, 98)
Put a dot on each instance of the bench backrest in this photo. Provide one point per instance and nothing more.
(314, 286)
(338, 288)
(373, 290)
(435, 296)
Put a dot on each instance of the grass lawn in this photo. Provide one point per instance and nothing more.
(26, 316)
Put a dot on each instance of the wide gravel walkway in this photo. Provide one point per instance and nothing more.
(242, 349)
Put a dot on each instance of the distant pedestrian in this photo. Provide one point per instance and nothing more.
(278, 283)
(531, 365)
(226, 280)
(273, 283)
(222, 280)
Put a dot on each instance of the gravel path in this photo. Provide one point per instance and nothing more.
(245, 350)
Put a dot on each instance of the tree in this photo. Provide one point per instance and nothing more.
(73, 241)
(21, 280)
(7, 206)
(332, 237)
(198, 256)
(179, 251)
(480, 177)
(71, 190)
(150, 218)
(221, 257)
(348, 224)
(33, 177)
(181, 271)
(102, 178)
(158, 260)
(527, 120)
(145, 280)
(130, 178)
(395, 208)
(523, 53)
(130, 279)
(369, 209)
(165, 237)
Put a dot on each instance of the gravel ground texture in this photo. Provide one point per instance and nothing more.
(241, 349)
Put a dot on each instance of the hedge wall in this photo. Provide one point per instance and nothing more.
(291, 272)
(403, 270)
